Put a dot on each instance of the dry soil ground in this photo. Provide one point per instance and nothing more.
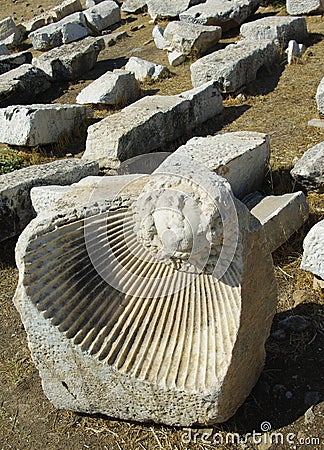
(290, 390)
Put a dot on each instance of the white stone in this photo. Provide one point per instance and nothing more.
(320, 97)
(241, 157)
(313, 255)
(15, 205)
(22, 84)
(296, 7)
(9, 33)
(280, 28)
(133, 6)
(90, 3)
(309, 170)
(10, 62)
(158, 36)
(33, 125)
(235, 65)
(281, 216)
(103, 15)
(176, 58)
(119, 87)
(4, 50)
(44, 197)
(79, 325)
(224, 13)
(70, 61)
(168, 8)
(67, 30)
(150, 124)
(66, 8)
(189, 38)
(294, 51)
(143, 69)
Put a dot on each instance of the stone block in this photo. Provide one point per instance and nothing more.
(320, 97)
(223, 13)
(16, 209)
(65, 31)
(143, 69)
(133, 6)
(150, 124)
(189, 38)
(241, 157)
(70, 61)
(313, 255)
(10, 62)
(159, 9)
(158, 35)
(309, 170)
(103, 15)
(235, 65)
(297, 7)
(33, 125)
(44, 197)
(21, 85)
(281, 216)
(66, 8)
(176, 58)
(9, 33)
(119, 87)
(279, 28)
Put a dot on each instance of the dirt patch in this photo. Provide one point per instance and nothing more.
(279, 103)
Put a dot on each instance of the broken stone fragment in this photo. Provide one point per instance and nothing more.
(133, 6)
(294, 51)
(313, 255)
(33, 125)
(320, 97)
(16, 209)
(309, 170)
(297, 7)
(4, 50)
(9, 33)
(176, 58)
(159, 9)
(158, 35)
(143, 69)
(119, 87)
(103, 15)
(10, 62)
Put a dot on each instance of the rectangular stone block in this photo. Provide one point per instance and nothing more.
(296, 7)
(22, 84)
(33, 125)
(168, 8)
(150, 124)
(9, 33)
(241, 157)
(103, 15)
(235, 65)
(16, 209)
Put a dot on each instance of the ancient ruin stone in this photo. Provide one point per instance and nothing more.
(235, 65)
(168, 8)
(320, 97)
(150, 124)
(242, 157)
(294, 51)
(22, 84)
(4, 50)
(296, 7)
(15, 205)
(33, 125)
(279, 28)
(10, 62)
(158, 36)
(112, 88)
(223, 13)
(9, 33)
(71, 60)
(309, 170)
(133, 6)
(313, 255)
(115, 329)
(103, 15)
(143, 69)
(189, 38)
(67, 30)
(176, 58)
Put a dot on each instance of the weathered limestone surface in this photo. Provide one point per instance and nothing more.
(313, 255)
(86, 363)
(119, 87)
(309, 170)
(9, 33)
(133, 6)
(320, 97)
(33, 125)
(10, 62)
(281, 216)
(176, 58)
(224, 13)
(168, 8)
(15, 204)
(159, 40)
(143, 69)
(44, 197)
(235, 65)
(150, 124)
(241, 157)
(67, 30)
(66, 8)
(22, 84)
(70, 61)
(103, 15)
(296, 7)
(186, 37)
(294, 51)
(279, 28)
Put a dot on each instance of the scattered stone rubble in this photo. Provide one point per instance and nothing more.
(309, 170)
(143, 69)
(33, 125)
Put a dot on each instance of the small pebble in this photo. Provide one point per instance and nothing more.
(309, 415)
